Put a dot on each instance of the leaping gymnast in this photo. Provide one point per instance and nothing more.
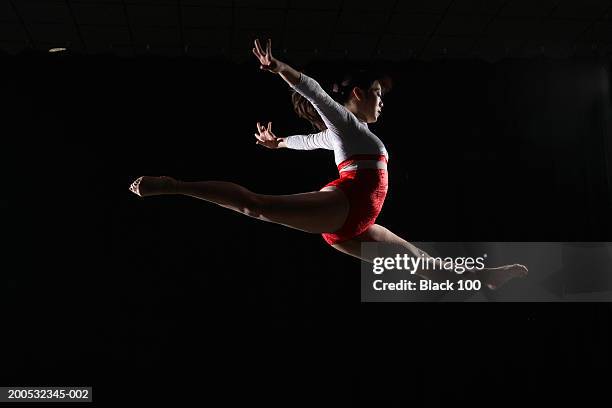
(343, 211)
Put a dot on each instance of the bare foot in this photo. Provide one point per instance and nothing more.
(147, 186)
(495, 278)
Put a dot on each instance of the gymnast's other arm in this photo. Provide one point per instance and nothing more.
(266, 138)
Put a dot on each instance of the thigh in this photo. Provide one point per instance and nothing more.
(314, 212)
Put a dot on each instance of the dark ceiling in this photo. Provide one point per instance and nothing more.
(389, 29)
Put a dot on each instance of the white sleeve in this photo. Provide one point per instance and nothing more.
(321, 140)
(335, 116)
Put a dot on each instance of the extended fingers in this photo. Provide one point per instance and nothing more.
(258, 47)
(264, 133)
(260, 128)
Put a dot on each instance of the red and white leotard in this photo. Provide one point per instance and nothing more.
(359, 154)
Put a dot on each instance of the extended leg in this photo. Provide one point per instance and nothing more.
(492, 277)
(314, 212)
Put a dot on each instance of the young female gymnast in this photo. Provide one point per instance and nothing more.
(345, 210)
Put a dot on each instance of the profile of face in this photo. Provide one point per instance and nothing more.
(368, 104)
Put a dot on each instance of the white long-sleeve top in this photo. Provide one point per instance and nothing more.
(345, 134)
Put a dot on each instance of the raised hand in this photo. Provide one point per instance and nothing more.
(266, 60)
(266, 138)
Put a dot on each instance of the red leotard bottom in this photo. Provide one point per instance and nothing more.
(366, 190)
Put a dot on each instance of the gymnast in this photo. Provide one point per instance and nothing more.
(344, 211)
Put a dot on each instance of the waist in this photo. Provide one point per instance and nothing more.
(362, 162)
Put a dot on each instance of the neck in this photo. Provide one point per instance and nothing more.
(353, 109)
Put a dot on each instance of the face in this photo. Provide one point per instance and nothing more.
(372, 103)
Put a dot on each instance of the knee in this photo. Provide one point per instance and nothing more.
(254, 206)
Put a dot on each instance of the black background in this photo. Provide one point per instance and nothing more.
(187, 300)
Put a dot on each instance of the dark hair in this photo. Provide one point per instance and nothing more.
(340, 92)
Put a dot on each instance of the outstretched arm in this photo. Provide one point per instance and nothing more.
(334, 115)
(266, 138)
(321, 140)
